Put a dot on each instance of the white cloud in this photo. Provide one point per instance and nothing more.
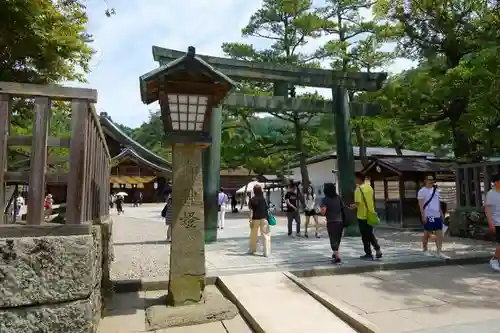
(123, 44)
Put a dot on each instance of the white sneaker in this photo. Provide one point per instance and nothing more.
(442, 255)
(428, 254)
(495, 264)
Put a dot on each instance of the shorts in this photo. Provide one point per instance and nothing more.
(497, 234)
(311, 212)
(433, 224)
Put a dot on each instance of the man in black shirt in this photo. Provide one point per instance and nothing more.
(292, 209)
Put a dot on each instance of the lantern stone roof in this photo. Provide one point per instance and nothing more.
(180, 68)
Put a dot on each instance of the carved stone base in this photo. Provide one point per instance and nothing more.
(214, 307)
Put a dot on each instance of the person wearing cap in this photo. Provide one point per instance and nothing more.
(492, 212)
(431, 213)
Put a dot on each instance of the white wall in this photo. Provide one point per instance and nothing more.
(321, 172)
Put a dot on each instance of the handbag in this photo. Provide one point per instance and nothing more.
(345, 220)
(371, 217)
(271, 220)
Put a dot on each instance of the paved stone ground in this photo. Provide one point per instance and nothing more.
(126, 314)
(451, 299)
(142, 252)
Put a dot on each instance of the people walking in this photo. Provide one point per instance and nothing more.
(292, 209)
(431, 214)
(311, 211)
(222, 201)
(169, 217)
(259, 211)
(119, 204)
(48, 204)
(492, 211)
(365, 204)
(18, 205)
(332, 208)
(111, 200)
(234, 203)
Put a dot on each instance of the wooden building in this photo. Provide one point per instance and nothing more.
(396, 182)
(134, 168)
(233, 179)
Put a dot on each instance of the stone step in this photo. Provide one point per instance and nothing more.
(272, 303)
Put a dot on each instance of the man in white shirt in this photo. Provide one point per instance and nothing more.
(222, 201)
(431, 214)
(492, 211)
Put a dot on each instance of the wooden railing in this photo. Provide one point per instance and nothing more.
(87, 180)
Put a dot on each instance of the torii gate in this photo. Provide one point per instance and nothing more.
(283, 78)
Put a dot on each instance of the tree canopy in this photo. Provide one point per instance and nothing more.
(447, 104)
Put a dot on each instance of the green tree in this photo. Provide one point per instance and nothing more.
(41, 41)
(354, 46)
(441, 35)
(289, 25)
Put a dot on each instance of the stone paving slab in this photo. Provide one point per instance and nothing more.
(441, 299)
(141, 250)
(277, 305)
(126, 314)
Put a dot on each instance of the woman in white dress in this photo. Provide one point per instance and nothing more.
(311, 210)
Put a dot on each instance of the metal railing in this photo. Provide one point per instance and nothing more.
(87, 178)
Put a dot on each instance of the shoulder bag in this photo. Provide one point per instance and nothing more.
(430, 199)
(371, 217)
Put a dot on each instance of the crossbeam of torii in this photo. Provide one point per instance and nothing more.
(285, 77)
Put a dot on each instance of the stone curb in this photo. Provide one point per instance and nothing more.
(382, 266)
(161, 283)
(147, 284)
(356, 321)
(254, 325)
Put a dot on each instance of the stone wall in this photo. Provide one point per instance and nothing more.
(54, 278)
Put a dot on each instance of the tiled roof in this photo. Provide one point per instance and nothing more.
(370, 151)
(407, 164)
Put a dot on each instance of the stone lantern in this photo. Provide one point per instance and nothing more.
(188, 90)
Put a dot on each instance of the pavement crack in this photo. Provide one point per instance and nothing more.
(224, 325)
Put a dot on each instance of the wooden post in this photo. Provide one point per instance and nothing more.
(38, 163)
(386, 198)
(401, 186)
(466, 180)
(477, 187)
(77, 158)
(486, 179)
(91, 171)
(5, 105)
(107, 173)
(99, 179)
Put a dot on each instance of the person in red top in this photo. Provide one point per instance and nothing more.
(48, 203)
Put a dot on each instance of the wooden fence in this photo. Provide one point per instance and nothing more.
(87, 180)
(473, 182)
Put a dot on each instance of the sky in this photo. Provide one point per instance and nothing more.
(123, 44)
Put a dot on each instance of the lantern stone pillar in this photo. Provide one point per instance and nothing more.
(187, 250)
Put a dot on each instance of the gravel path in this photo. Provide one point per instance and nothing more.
(141, 250)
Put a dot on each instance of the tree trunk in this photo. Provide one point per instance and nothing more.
(363, 156)
(397, 143)
(461, 142)
(304, 174)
